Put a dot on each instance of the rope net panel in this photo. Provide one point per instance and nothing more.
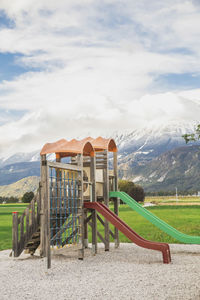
(65, 206)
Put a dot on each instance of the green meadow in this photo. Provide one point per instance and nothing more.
(185, 218)
(6, 223)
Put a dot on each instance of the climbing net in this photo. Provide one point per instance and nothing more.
(65, 206)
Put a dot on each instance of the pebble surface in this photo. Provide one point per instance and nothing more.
(129, 272)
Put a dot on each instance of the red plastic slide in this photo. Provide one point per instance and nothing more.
(127, 231)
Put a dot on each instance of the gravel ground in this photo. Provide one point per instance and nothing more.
(128, 272)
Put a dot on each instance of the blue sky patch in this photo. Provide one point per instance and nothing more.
(178, 81)
(8, 115)
(110, 17)
(5, 21)
(182, 51)
(9, 68)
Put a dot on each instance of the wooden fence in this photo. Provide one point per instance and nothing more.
(26, 225)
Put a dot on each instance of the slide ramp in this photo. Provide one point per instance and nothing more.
(187, 239)
(128, 232)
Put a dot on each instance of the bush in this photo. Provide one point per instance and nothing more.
(27, 197)
(132, 189)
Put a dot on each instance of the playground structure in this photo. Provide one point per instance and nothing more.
(73, 195)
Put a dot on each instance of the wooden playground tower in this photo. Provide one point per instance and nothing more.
(58, 216)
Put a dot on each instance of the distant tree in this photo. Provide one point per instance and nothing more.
(123, 185)
(9, 199)
(27, 197)
(12, 199)
(132, 189)
(192, 137)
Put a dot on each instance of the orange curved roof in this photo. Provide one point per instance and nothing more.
(100, 144)
(53, 147)
(87, 147)
(65, 148)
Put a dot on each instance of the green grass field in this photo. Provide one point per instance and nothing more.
(184, 218)
(172, 199)
(6, 223)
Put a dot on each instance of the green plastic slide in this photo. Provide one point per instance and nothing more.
(155, 220)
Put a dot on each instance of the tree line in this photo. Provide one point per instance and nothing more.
(132, 189)
(26, 198)
(170, 193)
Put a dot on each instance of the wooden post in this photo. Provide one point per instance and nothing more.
(43, 205)
(39, 203)
(116, 201)
(21, 232)
(15, 234)
(47, 214)
(81, 232)
(58, 195)
(33, 216)
(106, 200)
(27, 223)
(85, 229)
(94, 213)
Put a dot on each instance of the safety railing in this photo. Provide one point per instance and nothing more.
(26, 225)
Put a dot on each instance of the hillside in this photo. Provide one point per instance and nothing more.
(20, 187)
(179, 168)
(16, 171)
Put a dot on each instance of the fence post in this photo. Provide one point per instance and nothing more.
(15, 233)
(27, 224)
(39, 203)
(33, 215)
(21, 245)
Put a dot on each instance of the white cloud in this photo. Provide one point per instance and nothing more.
(97, 62)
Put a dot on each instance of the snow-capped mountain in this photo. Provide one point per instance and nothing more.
(140, 146)
(24, 157)
(136, 148)
(21, 157)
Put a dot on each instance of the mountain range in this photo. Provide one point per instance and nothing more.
(20, 187)
(155, 156)
(158, 158)
(178, 168)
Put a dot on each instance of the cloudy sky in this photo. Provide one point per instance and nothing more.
(73, 67)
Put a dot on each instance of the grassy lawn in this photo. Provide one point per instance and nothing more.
(184, 218)
(172, 199)
(6, 223)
